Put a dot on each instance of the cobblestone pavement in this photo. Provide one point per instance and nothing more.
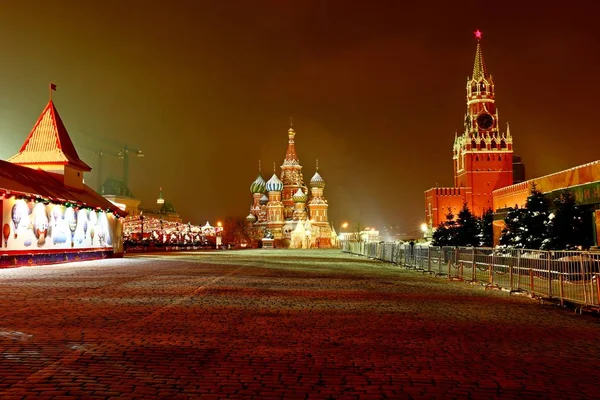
(270, 324)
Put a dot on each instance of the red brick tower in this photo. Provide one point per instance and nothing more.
(482, 154)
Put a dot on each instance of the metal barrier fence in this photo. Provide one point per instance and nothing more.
(564, 276)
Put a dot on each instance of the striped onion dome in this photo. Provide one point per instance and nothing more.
(299, 196)
(251, 218)
(263, 200)
(258, 186)
(317, 181)
(274, 184)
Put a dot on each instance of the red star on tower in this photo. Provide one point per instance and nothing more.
(478, 34)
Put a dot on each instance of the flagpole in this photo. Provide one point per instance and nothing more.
(51, 88)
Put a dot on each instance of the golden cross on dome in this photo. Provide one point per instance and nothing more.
(478, 34)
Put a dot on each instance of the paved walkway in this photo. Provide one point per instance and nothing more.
(281, 324)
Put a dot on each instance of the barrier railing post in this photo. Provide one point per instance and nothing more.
(549, 278)
(510, 273)
(429, 260)
(531, 283)
(561, 290)
(491, 270)
(449, 266)
(597, 289)
(473, 266)
(584, 280)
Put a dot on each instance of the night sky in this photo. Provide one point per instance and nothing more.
(376, 90)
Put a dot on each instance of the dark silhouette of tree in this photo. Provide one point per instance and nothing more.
(566, 225)
(536, 219)
(512, 234)
(467, 228)
(485, 228)
(356, 235)
(446, 232)
(235, 231)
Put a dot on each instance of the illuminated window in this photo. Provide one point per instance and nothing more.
(502, 144)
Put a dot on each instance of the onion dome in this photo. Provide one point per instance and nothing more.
(274, 184)
(299, 196)
(317, 181)
(263, 200)
(251, 218)
(258, 186)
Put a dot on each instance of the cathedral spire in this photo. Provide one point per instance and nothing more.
(290, 156)
(479, 68)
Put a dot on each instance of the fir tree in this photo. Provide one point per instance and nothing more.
(535, 219)
(485, 233)
(466, 229)
(566, 225)
(446, 232)
(513, 232)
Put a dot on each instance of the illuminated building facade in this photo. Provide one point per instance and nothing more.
(482, 153)
(282, 207)
(47, 213)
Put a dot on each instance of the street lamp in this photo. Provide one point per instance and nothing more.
(342, 227)
(218, 233)
(424, 229)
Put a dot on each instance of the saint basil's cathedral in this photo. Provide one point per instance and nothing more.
(283, 210)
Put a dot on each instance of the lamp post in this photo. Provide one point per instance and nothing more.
(424, 229)
(142, 226)
(342, 227)
(218, 233)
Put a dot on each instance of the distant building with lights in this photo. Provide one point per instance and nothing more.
(282, 207)
(482, 154)
(48, 214)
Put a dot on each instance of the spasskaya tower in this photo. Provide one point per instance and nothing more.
(482, 154)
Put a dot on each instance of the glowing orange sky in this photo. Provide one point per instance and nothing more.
(376, 89)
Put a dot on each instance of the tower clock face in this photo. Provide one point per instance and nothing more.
(485, 121)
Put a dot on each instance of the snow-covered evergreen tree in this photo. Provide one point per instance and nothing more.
(514, 229)
(446, 232)
(485, 235)
(536, 219)
(566, 225)
(467, 228)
